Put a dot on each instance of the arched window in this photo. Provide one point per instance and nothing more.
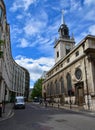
(69, 84)
(62, 85)
(48, 90)
(57, 90)
(51, 88)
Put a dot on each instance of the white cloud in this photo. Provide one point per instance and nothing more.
(70, 4)
(75, 5)
(47, 48)
(23, 15)
(92, 29)
(35, 66)
(22, 4)
(15, 31)
(32, 27)
(27, 3)
(36, 24)
(23, 43)
(90, 15)
(19, 17)
(64, 4)
(48, 62)
(89, 2)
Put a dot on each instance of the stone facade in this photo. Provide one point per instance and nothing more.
(71, 79)
(12, 76)
(27, 84)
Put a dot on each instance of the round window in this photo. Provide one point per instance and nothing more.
(78, 73)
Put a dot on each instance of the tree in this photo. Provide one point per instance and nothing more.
(37, 89)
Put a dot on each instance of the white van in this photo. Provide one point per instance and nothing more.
(19, 102)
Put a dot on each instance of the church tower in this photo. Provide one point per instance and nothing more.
(64, 44)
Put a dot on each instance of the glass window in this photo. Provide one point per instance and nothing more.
(0, 13)
(51, 89)
(57, 54)
(62, 85)
(48, 90)
(77, 53)
(68, 60)
(57, 87)
(69, 85)
(78, 73)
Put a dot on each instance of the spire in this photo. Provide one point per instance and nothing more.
(72, 36)
(63, 22)
(63, 29)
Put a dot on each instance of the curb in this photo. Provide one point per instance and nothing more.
(74, 110)
(8, 116)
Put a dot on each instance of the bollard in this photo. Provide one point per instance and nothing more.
(0, 110)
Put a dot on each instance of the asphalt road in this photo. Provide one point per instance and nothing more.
(37, 117)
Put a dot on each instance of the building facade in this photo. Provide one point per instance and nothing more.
(27, 84)
(72, 79)
(12, 76)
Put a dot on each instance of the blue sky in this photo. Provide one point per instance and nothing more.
(34, 27)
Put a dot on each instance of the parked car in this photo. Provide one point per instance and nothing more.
(36, 99)
(19, 102)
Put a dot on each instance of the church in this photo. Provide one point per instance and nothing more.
(72, 78)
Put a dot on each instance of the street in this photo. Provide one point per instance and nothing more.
(38, 117)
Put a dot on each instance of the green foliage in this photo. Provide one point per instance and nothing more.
(1, 54)
(37, 90)
(1, 42)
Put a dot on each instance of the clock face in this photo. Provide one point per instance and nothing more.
(67, 49)
(78, 73)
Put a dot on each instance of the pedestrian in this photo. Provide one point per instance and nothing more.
(45, 103)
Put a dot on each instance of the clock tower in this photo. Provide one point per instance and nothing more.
(64, 44)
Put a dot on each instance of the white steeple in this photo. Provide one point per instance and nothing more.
(64, 44)
(62, 19)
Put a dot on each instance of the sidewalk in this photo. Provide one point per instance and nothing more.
(74, 108)
(8, 112)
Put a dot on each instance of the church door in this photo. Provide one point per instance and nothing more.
(79, 94)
